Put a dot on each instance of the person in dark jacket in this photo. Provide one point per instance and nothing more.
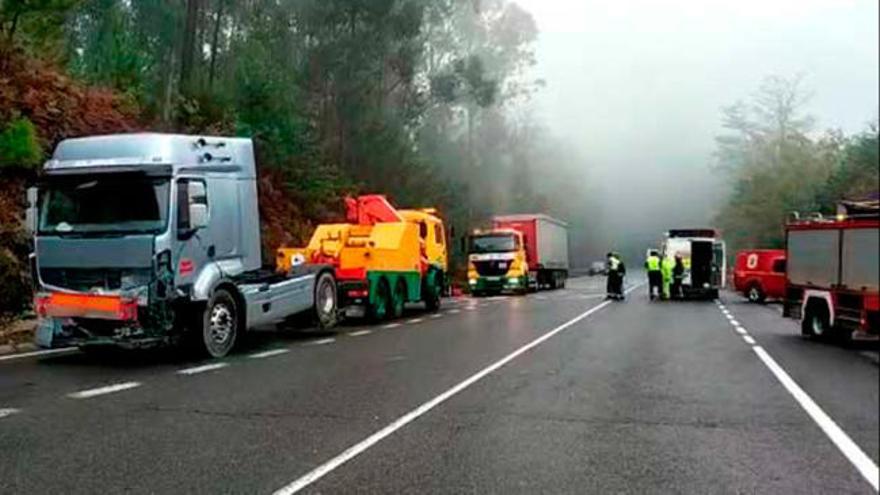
(677, 277)
(616, 273)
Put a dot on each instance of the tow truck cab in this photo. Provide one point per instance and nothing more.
(139, 238)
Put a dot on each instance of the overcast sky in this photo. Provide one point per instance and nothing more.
(636, 86)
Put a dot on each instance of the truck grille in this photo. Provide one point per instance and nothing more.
(492, 268)
(86, 279)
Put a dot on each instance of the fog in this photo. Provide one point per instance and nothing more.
(636, 88)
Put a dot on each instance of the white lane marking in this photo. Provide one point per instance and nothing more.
(46, 352)
(321, 342)
(436, 315)
(470, 308)
(734, 322)
(454, 311)
(391, 325)
(7, 411)
(415, 320)
(201, 369)
(360, 332)
(740, 330)
(358, 448)
(864, 464)
(109, 389)
(270, 352)
(749, 340)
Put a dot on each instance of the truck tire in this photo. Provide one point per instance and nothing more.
(381, 305)
(399, 300)
(432, 289)
(754, 294)
(220, 324)
(325, 312)
(816, 322)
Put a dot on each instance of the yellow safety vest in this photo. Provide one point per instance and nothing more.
(653, 263)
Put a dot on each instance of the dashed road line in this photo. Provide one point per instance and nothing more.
(454, 311)
(360, 332)
(415, 320)
(321, 341)
(436, 315)
(8, 411)
(391, 325)
(269, 353)
(360, 447)
(740, 330)
(108, 389)
(749, 340)
(202, 369)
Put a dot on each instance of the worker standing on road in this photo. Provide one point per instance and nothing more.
(655, 277)
(666, 266)
(677, 277)
(616, 273)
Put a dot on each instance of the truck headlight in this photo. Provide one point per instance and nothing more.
(513, 281)
(472, 281)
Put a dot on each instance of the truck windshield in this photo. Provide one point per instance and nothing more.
(112, 203)
(493, 243)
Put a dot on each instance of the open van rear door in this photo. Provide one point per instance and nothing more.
(719, 265)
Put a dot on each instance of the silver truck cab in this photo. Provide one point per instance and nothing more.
(141, 239)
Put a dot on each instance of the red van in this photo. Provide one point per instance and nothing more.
(759, 274)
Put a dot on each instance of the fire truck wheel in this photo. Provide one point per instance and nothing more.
(326, 303)
(220, 324)
(816, 322)
(382, 302)
(399, 299)
(755, 295)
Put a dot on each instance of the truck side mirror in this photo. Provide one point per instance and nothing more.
(30, 215)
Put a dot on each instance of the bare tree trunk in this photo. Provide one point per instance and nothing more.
(214, 41)
(187, 51)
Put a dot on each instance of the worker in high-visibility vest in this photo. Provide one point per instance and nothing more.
(666, 267)
(655, 277)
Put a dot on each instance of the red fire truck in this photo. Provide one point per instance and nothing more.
(833, 275)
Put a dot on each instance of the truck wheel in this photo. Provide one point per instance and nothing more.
(755, 295)
(381, 303)
(399, 299)
(326, 308)
(432, 290)
(816, 322)
(220, 324)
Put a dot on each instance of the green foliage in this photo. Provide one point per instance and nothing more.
(19, 145)
(776, 167)
(858, 174)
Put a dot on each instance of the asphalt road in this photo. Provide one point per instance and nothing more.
(556, 392)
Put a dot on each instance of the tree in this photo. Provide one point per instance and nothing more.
(774, 165)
